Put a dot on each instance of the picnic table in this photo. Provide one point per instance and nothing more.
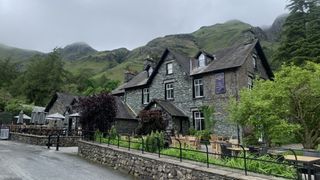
(309, 160)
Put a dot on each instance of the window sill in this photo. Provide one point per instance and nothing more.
(200, 97)
(169, 99)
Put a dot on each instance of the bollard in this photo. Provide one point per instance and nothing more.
(129, 143)
(142, 144)
(158, 143)
(206, 144)
(58, 141)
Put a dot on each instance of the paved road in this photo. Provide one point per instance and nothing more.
(28, 162)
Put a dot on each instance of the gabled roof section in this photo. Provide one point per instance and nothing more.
(139, 80)
(167, 106)
(119, 90)
(143, 79)
(123, 111)
(205, 53)
(63, 99)
(233, 57)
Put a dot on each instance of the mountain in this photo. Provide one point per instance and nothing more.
(76, 51)
(81, 57)
(16, 54)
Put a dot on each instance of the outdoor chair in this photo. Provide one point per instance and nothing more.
(193, 142)
(253, 150)
(174, 142)
(225, 152)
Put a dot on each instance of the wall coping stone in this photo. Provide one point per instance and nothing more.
(213, 169)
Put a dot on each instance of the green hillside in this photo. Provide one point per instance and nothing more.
(81, 57)
(16, 54)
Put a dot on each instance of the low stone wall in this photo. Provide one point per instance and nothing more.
(147, 165)
(43, 140)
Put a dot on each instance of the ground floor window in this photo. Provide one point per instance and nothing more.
(198, 120)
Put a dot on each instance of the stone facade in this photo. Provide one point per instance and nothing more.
(124, 126)
(149, 166)
(65, 141)
(235, 78)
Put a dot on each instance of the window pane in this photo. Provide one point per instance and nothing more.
(169, 68)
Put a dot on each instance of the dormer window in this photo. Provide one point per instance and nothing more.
(150, 70)
(201, 61)
(254, 61)
(169, 68)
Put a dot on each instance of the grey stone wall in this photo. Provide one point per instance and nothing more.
(43, 140)
(124, 126)
(149, 166)
(133, 97)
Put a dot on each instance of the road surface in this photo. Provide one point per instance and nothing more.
(29, 162)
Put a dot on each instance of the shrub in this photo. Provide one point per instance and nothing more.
(150, 120)
(204, 135)
(151, 144)
(113, 132)
(192, 131)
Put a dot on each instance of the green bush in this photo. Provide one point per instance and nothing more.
(192, 131)
(204, 135)
(151, 144)
(113, 132)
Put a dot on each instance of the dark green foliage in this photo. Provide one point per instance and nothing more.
(150, 120)
(43, 77)
(301, 34)
(154, 141)
(113, 132)
(97, 112)
(204, 135)
(8, 72)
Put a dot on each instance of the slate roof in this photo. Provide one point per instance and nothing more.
(123, 110)
(226, 58)
(233, 57)
(119, 89)
(63, 99)
(168, 107)
(139, 80)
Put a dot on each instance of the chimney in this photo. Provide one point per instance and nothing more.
(149, 62)
(128, 75)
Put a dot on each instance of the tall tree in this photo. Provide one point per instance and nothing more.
(8, 72)
(278, 109)
(301, 33)
(43, 77)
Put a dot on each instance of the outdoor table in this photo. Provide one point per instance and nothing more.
(236, 150)
(309, 160)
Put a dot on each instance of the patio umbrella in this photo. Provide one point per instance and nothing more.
(55, 116)
(21, 117)
(74, 115)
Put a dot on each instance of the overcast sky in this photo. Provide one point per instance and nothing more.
(109, 24)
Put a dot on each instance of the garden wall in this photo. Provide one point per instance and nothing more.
(43, 140)
(147, 165)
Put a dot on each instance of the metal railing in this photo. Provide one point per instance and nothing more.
(243, 160)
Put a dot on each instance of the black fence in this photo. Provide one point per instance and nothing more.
(231, 155)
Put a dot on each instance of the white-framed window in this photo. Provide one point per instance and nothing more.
(198, 120)
(202, 61)
(169, 91)
(198, 88)
(145, 95)
(169, 67)
(250, 82)
(150, 70)
(254, 61)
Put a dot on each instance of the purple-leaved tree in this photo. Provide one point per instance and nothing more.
(97, 112)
